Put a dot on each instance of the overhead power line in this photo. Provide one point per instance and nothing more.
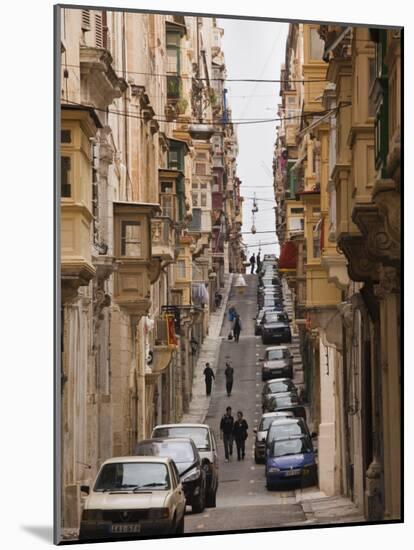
(159, 118)
(189, 77)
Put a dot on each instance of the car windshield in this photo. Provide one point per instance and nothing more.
(283, 431)
(266, 422)
(286, 400)
(291, 447)
(281, 386)
(276, 354)
(127, 476)
(198, 435)
(275, 317)
(179, 451)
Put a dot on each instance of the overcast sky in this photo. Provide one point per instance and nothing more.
(255, 49)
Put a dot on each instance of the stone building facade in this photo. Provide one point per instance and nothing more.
(140, 261)
(337, 187)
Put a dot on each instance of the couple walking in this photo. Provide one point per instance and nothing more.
(233, 430)
(209, 377)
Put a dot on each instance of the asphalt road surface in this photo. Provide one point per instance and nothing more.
(243, 502)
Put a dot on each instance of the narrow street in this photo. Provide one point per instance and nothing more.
(243, 502)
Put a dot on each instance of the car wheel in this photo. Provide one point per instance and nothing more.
(211, 500)
(180, 527)
(199, 504)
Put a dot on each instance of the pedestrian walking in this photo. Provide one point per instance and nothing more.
(237, 328)
(228, 373)
(240, 428)
(208, 376)
(259, 263)
(252, 262)
(231, 315)
(226, 433)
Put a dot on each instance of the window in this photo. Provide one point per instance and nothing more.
(66, 136)
(291, 99)
(167, 206)
(131, 238)
(195, 199)
(296, 224)
(203, 199)
(176, 156)
(98, 31)
(200, 168)
(66, 176)
(316, 211)
(181, 269)
(173, 39)
(86, 20)
(296, 211)
(372, 75)
(317, 45)
(317, 246)
(203, 185)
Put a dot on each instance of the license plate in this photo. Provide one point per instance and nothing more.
(126, 528)
(292, 473)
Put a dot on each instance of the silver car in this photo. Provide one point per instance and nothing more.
(205, 442)
(261, 433)
(133, 496)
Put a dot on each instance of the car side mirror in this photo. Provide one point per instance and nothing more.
(314, 434)
(255, 431)
(261, 360)
(85, 489)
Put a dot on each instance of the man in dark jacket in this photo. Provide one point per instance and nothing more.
(228, 373)
(240, 428)
(226, 433)
(237, 328)
(252, 262)
(209, 376)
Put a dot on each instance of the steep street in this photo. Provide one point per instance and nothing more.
(243, 502)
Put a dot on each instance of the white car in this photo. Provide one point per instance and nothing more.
(134, 496)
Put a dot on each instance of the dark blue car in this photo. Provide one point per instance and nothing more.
(291, 460)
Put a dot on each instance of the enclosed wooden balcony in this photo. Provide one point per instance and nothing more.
(163, 239)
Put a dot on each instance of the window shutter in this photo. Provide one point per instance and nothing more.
(86, 20)
(98, 31)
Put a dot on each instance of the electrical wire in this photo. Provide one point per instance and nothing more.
(208, 122)
(183, 77)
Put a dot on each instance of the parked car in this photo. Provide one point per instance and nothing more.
(261, 432)
(284, 428)
(273, 387)
(275, 328)
(277, 362)
(188, 461)
(133, 496)
(287, 402)
(290, 460)
(205, 442)
(270, 301)
(259, 317)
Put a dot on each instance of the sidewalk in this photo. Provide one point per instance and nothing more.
(209, 353)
